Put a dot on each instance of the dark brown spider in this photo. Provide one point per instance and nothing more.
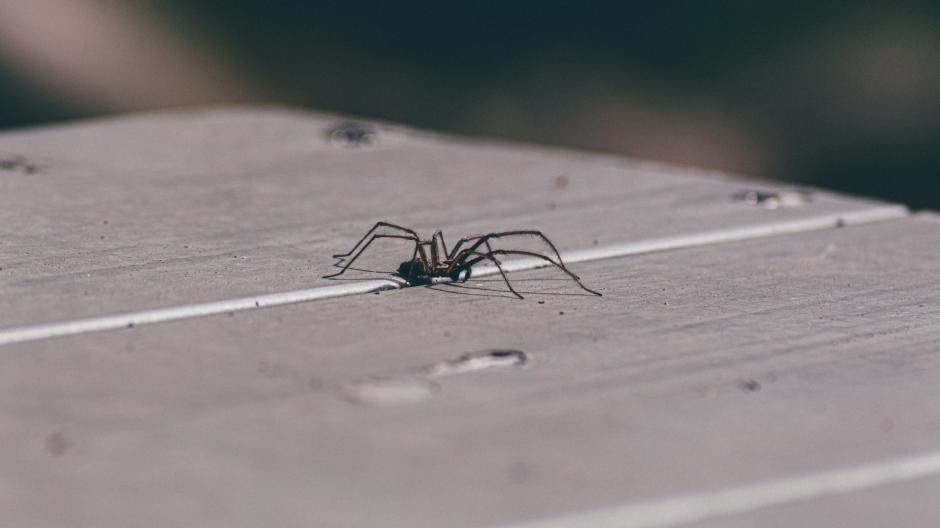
(431, 259)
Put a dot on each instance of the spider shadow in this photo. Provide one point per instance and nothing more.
(448, 287)
(377, 272)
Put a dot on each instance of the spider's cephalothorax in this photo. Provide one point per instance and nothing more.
(431, 259)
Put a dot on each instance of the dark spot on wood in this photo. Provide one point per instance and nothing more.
(353, 136)
(562, 181)
(775, 199)
(474, 361)
(270, 369)
(18, 164)
(749, 385)
(57, 443)
(519, 473)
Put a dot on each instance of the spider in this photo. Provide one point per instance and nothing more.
(431, 259)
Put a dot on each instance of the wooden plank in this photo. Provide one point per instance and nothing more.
(703, 369)
(906, 504)
(168, 209)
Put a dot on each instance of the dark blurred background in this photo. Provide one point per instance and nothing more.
(844, 95)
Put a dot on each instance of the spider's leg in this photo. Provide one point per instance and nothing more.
(458, 259)
(346, 266)
(500, 268)
(531, 232)
(433, 248)
(483, 239)
(489, 256)
(411, 271)
(543, 257)
(454, 251)
(369, 232)
(430, 258)
(438, 238)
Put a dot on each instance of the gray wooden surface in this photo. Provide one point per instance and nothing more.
(728, 368)
(175, 208)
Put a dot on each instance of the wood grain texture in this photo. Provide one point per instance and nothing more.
(174, 208)
(699, 369)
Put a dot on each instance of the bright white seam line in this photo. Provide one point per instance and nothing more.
(125, 320)
(701, 506)
(160, 315)
(706, 238)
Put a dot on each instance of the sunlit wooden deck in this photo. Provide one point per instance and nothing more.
(169, 354)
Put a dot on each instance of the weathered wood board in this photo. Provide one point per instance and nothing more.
(167, 209)
(720, 367)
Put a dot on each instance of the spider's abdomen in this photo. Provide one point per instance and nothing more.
(413, 271)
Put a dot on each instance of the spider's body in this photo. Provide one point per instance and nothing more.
(416, 274)
(431, 259)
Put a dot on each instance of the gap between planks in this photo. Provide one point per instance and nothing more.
(699, 507)
(160, 315)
